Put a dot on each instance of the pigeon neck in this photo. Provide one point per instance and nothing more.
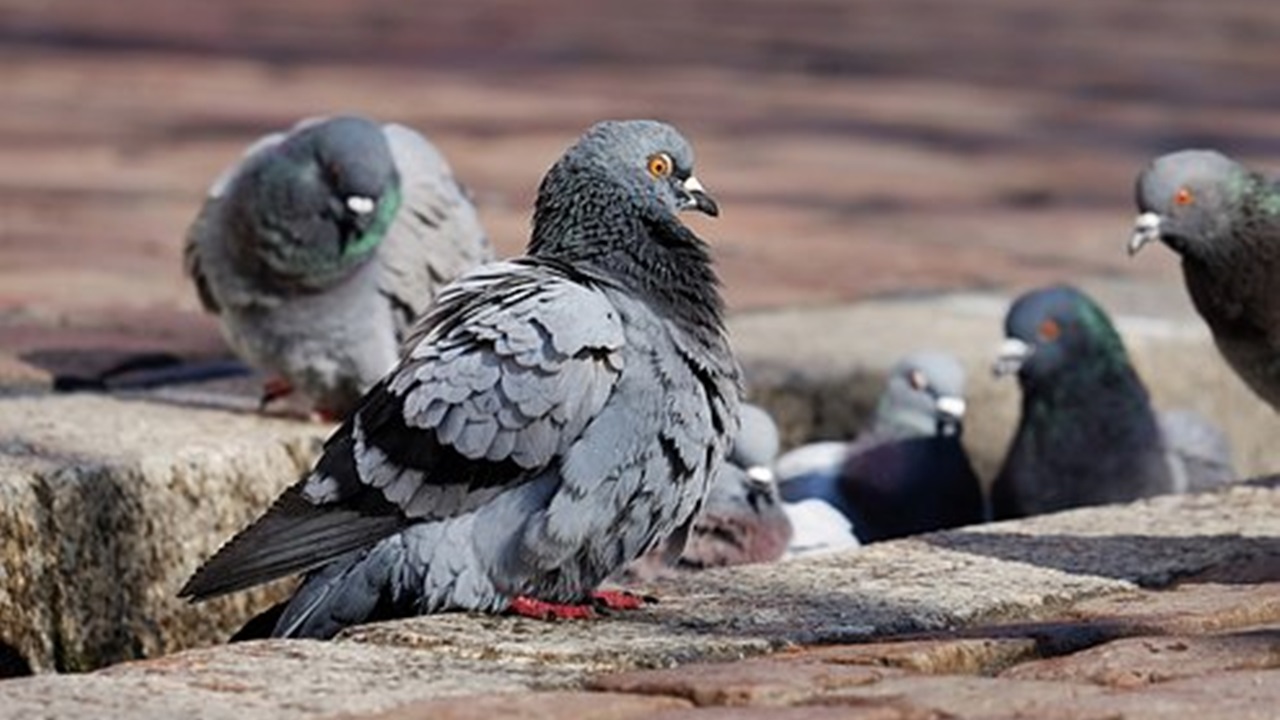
(900, 423)
(1245, 238)
(1106, 396)
(654, 256)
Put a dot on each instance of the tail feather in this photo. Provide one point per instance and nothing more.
(349, 591)
(293, 536)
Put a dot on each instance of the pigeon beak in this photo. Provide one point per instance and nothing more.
(1145, 229)
(696, 198)
(761, 474)
(950, 406)
(360, 205)
(1013, 352)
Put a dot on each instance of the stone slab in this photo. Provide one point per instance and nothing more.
(1193, 608)
(877, 711)
(1240, 695)
(752, 682)
(1064, 567)
(951, 655)
(110, 504)
(1018, 570)
(962, 696)
(1133, 662)
(293, 679)
(536, 706)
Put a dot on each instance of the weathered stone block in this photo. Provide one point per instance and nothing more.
(752, 682)
(109, 506)
(1134, 662)
(967, 656)
(537, 706)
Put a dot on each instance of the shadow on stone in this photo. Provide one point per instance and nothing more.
(1149, 561)
(193, 381)
(12, 663)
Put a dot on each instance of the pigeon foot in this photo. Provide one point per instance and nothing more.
(620, 600)
(541, 610)
(273, 389)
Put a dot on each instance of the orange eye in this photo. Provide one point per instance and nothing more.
(1049, 330)
(1183, 197)
(660, 165)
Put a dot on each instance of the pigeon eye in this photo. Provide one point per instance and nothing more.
(1049, 330)
(660, 165)
(918, 380)
(1183, 197)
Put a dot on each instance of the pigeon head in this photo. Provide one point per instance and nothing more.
(924, 396)
(1185, 200)
(756, 445)
(617, 173)
(1055, 330)
(321, 201)
(609, 207)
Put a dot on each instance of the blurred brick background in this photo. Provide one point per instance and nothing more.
(857, 147)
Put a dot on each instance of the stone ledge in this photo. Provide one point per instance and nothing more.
(108, 505)
(1055, 585)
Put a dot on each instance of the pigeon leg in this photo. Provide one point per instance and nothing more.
(540, 610)
(620, 600)
(273, 389)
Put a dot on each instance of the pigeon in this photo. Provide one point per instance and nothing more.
(1197, 450)
(319, 249)
(1224, 220)
(555, 416)
(755, 448)
(907, 473)
(742, 522)
(1088, 434)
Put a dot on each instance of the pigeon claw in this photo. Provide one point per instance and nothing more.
(620, 600)
(541, 610)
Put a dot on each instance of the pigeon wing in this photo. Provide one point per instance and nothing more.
(435, 236)
(503, 376)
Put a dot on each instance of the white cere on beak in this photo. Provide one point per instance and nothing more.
(951, 405)
(1145, 229)
(1013, 352)
(692, 184)
(360, 205)
(760, 473)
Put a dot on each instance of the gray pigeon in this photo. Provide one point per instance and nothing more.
(742, 521)
(1224, 220)
(1088, 434)
(756, 447)
(320, 248)
(555, 417)
(908, 473)
(1198, 451)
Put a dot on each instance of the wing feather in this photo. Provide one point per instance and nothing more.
(436, 235)
(474, 408)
